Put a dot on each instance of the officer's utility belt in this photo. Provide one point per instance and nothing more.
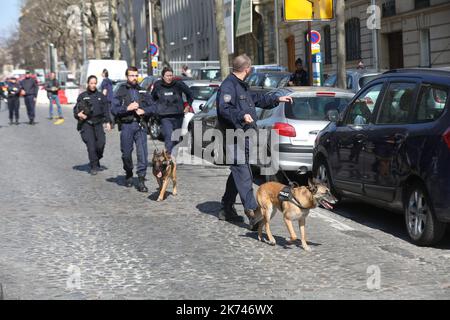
(286, 195)
(128, 121)
(95, 121)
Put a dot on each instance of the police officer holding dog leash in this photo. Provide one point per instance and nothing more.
(236, 110)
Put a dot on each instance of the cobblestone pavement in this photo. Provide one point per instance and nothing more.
(67, 235)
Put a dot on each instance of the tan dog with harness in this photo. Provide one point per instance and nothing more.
(164, 170)
(294, 202)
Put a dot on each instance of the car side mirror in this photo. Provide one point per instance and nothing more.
(333, 116)
(202, 107)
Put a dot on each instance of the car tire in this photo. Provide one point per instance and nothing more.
(424, 229)
(321, 171)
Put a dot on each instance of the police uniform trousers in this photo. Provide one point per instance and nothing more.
(168, 125)
(240, 180)
(13, 106)
(93, 136)
(31, 106)
(131, 134)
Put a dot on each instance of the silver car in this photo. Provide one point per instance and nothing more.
(202, 91)
(298, 124)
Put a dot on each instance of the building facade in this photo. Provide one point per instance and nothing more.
(190, 30)
(413, 33)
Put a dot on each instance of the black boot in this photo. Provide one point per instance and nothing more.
(229, 213)
(252, 220)
(129, 180)
(141, 186)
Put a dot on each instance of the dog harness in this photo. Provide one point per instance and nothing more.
(286, 195)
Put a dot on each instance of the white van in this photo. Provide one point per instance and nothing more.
(116, 69)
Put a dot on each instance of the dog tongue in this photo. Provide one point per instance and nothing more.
(159, 175)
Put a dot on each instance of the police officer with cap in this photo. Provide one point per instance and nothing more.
(131, 105)
(14, 90)
(236, 110)
(92, 113)
(31, 89)
(169, 95)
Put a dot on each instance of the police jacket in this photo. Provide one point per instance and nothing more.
(170, 97)
(97, 106)
(30, 86)
(52, 86)
(13, 90)
(234, 101)
(128, 94)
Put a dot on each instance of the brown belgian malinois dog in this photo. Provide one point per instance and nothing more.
(294, 202)
(164, 170)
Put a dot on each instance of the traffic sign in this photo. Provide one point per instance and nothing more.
(315, 48)
(315, 37)
(153, 49)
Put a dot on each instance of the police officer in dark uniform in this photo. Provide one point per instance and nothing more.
(236, 110)
(14, 90)
(92, 113)
(30, 86)
(300, 77)
(169, 95)
(130, 106)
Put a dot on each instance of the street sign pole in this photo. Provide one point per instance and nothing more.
(310, 68)
(150, 36)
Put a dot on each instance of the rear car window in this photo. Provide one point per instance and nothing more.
(210, 74)
(431, 105)
(202, 93)
(314, 108)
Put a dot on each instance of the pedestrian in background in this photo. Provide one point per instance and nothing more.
(92, 112)
(14, 90)
(186, 72)
(300, 77)
(30, 90)
(52, 86)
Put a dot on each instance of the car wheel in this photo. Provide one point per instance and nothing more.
(321, 172)
(423, 227)
(155, 130)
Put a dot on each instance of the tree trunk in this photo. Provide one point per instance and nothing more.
(340, 34)
(161, 38)
(223, 48)
(131, 34)
(115, 32)
(93, 26)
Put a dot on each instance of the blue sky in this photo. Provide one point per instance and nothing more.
(9, 13)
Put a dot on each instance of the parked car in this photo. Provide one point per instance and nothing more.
(391, 148)
(208, 73)
(356, 79)
(148, 82)
(299, 123)
(116, 69)
(202, 90)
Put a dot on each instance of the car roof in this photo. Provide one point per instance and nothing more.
(318, 89)
(205, 83)
(428, 74)
(268, 71)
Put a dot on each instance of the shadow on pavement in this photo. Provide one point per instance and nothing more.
(82, 168)
(381, 219)
(281, 242)
(213, 208)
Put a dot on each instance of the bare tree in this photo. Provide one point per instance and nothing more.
(159, 29)
(92, 24)
(223, 49)
(340, 34)
(114, 29)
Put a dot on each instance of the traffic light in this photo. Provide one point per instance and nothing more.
(307, 10)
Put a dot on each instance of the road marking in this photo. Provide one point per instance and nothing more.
(324, 215)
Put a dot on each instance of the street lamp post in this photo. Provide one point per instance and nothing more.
(310, 65)
(150, 37)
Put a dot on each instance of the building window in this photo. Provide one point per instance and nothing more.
(420, 4)
(389, 8)
(327, 41)
(353, 39)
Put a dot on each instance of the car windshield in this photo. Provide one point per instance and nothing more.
(267, 80)
(202, 92)
(314, 108)
(332, 81)
(210, 74)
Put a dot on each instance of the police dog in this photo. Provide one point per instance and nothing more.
(164, 170)
(294, 202)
